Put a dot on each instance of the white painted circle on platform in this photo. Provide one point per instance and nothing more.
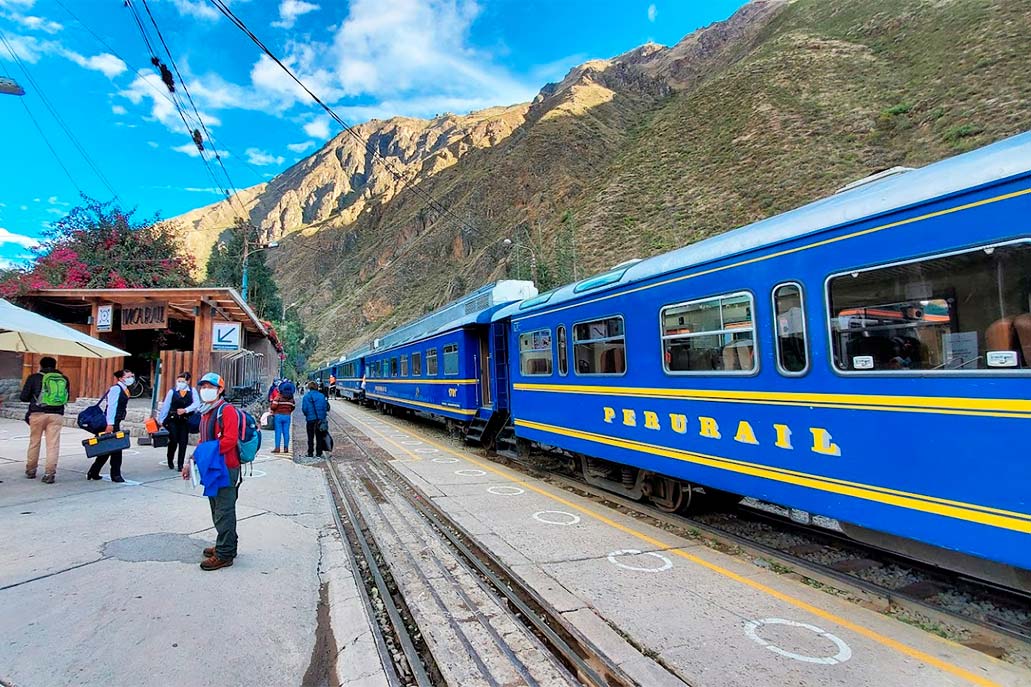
(470, 473)
(427, 450)
(445, 460)
(412, 443)
(556, 517)
(666, 563)
(131, 452)
(399, 436)
(503, 490)
(256, 473)
(844, 652)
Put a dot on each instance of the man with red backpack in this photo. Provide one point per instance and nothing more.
(220, 421)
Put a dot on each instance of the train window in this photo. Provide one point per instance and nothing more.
(599, 347)
(386, 367)
(394, 367)
(431, 362)
(416, 364)
(451, 359)
(709, 335)
(959, 312)
(563, 355)
(792, 346)
(535, 353)
(404, 366)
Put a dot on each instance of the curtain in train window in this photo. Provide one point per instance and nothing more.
(535, 353)
(404, 366)
(599, 347)
(451, 359)
(563, 355)
(394, 367)
(431, 362)
(958, 312)
(416, 364)
(792, 347)
(710, 335)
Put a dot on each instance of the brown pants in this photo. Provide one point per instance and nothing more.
(50, 424)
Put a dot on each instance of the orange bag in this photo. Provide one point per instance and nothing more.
(152, 425)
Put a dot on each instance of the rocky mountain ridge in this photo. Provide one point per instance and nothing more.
(627, 157)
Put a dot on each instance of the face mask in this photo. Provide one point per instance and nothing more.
(128, 381)
(181, 386)
(208, 394)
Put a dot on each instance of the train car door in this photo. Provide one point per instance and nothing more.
(488, 396)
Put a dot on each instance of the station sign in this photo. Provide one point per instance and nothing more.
(105, 317)
(225, 336)
(150, 315)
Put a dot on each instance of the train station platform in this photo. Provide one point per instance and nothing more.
(667, 610)
(100, 582)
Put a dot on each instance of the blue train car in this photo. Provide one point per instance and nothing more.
(865, 357)
(351, 373)
(440, 363)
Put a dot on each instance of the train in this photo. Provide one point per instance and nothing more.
(863, 358)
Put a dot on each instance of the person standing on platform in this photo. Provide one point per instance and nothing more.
(180, 402)
(282, 408)
(316, 411)
(46, 392)
(332, 390)
(117, 404)
(219, 421)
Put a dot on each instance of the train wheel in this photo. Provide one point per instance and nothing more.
(670, 495)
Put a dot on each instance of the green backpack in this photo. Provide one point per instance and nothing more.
(54, 390)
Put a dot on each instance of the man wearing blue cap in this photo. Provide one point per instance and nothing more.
(220, 421)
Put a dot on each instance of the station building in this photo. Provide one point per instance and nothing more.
(165, 331)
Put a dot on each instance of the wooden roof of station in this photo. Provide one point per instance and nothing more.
(226, 302)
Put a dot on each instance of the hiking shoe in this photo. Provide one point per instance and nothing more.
(118, 478)
(209, 552)
(48, 479)
(214, 563)
(30, 475)
(275, 450)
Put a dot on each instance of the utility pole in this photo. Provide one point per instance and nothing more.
(246, 229)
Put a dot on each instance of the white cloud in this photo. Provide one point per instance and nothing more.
(153, 144)
(106, 63)
(34, 23)
(17, 239)
(198, 9)
(289, 10)
(147, 86)
(56, 211)
(194, 189)
(191, 150)
(318, 127)
(300, 147)
(15, 4)
(259, 157)
(118, 110)
(652, 12)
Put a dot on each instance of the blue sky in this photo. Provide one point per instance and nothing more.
(367, 58)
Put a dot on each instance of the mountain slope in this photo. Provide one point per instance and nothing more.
(782, 103)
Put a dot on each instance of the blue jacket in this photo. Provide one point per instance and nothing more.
(212, 467)
(315, 406)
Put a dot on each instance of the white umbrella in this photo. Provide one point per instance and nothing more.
(26, 332)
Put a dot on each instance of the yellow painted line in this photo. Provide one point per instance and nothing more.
(460, 411)
(947, 405)
(873, 635)
(417, 380)
(970, 512)
(787, 251)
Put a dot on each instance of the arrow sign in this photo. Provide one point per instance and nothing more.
(225, 336)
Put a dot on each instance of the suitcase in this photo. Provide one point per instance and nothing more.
(159, 438)
(106, 443)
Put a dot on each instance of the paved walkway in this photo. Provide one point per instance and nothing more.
(100, 584)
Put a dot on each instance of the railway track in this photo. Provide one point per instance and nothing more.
(994, 620)
(448, 612)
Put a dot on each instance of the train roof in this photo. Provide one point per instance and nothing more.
(477, 306)
(872, 197)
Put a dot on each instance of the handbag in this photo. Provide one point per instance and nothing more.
(92, 419)
(323, 426)
(327, 441)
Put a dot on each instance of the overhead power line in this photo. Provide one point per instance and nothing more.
(57, 117)
(431, 201)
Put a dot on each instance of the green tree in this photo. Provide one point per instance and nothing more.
(225, 268)
(298, 346)
(100, 245)
(565, 250)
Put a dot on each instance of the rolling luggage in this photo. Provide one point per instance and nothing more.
(106, 443)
